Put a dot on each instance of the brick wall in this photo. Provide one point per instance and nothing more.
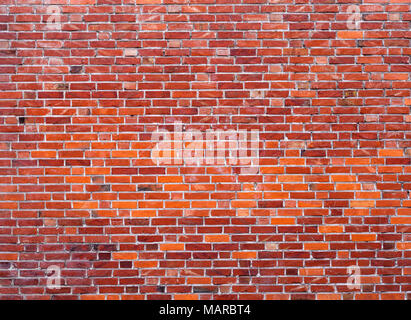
(95, 93)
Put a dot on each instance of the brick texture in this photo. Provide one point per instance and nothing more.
(325, 213)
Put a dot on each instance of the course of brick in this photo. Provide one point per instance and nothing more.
(84, 84)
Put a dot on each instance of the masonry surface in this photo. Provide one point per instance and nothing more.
(84, 84)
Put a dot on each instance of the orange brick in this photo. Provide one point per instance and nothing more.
(391, 153)
(85, 205)
(172, 246)
(243, 204)
(244, 255)
(401, 220)
(8, 256)
(143, 213)
(392, 296)
(330, 229)
(124, 255)
(311, 272)
(124, 154)
(198, 280)
(125, 204)
(145, 264)
(282, 221)
(217, 238)
(350, 34)
(363, 237)
(370, 279)
(343, 178)
(177, 204)
(354, 203)
(404, 245)
(356, 212)
(43, 154)
(315, 246)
